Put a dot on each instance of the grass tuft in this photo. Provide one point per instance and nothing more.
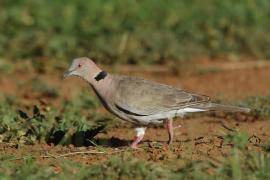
(76, 124)
(134, 32)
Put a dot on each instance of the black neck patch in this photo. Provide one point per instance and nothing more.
(101, 75)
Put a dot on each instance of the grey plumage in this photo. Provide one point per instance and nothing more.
(220, 107)
(146, 102)
(147, 97)
(140, 101)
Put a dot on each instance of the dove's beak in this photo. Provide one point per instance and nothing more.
(67, 74)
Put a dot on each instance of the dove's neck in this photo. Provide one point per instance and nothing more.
(102, 83)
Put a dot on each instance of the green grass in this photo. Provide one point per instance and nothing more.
(76, 123)
(259, 105)
(245, 160)
(114, 168)
(241, 163)
(134, 31)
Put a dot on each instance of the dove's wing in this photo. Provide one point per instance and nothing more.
(140, 97)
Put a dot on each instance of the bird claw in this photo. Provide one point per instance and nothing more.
(134, 144)
(135, 147)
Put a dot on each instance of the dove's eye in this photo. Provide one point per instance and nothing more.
(79, 65)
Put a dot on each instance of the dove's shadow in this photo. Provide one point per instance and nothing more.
(112, 142)
(116, 142)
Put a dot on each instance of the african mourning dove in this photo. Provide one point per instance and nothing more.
(140, 101)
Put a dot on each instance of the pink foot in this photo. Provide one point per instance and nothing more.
(136, 141)
(139, 136)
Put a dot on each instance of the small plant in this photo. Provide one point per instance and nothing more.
(237, 139)
(8, 119)
(27, 170)
(244, 163)
(77, 123)
(131, 168)
(32, 128)
(259, 105)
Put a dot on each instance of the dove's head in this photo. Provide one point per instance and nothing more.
(85, 68)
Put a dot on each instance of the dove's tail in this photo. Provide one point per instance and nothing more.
(220, 107)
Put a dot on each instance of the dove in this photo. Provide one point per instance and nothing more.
(142, 102)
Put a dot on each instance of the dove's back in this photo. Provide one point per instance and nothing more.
(146, 102)
(142, 101)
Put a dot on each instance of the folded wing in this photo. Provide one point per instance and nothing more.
(140, 97)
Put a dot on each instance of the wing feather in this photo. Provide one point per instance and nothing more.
(142, 97)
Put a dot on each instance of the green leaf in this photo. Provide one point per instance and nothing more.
(23, 114)
(36, 110)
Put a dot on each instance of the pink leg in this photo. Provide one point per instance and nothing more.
(169, 127)
(139, 136)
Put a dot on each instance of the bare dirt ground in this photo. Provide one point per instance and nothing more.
(199, 138)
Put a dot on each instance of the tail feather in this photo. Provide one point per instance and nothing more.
(220, 107)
